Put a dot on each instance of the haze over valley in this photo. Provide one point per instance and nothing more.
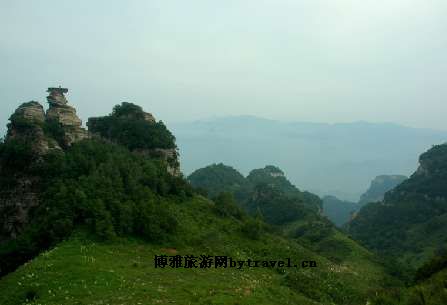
(327, 159)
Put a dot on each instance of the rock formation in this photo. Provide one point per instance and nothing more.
(39, 133)
(15, 206)
(379, 186)
(65, 115)
(27, 124)
(169, 156)
(30, 126)
(31, 111)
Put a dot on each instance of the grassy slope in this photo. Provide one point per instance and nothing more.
(81, 271)
(432, 291)
(347, 255)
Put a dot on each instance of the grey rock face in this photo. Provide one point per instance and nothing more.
(31, 111)
(27, 123)
(65, 115)
(14, 207)
(56, 96)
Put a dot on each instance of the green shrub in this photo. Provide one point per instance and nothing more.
(98, 186)
(252, 228)
(127, 126)
(433, 266)
(54, 129)
(226, 206)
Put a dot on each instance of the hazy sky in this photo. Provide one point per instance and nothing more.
(308, 60)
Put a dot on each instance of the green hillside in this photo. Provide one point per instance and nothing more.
(428, 288)
(82, 222)
(82, 270)
(295, 215)
(218, 178)
(410, 224)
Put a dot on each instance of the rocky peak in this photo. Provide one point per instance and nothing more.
(59, 126)
(31, 111)
(64, 114)
(56, 96)
(27, 124)
(379, 186)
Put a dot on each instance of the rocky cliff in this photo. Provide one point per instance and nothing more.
(31, 135)
(58, 127)
(59, 111)
(27, 124)
(379, 186)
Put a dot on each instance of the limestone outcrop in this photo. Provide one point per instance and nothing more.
(38, 133)
(27, 124)
(64, 114)
(42, 132)
(31, 111)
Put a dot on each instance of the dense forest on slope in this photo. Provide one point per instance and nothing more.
(93, 184)
(265, 193)
(108, 200)
(129, 126)
(428, 288)
(218, 178)
(410, 224)
(269, 201)
(99, 209)
(292, 213)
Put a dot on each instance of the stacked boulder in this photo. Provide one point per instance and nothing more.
(64, 114)
(43, 132)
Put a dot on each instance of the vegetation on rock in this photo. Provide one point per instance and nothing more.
(127, 126)
(410, 224)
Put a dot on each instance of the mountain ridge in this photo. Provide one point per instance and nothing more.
(356, 152)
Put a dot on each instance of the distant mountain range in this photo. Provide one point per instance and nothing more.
(327, 159)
